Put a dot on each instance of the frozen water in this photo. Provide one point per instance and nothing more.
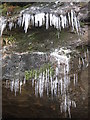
(40, 19)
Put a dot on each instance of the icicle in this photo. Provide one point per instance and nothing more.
(67, 67)
(46, 79)
(6, 83)
(47, 21)
(55, 88)
(74, 80)
(36, 89)
(32, 82)
(27, 21)
(51, 18)
(73, 104)
(87, 51)
(16, 86)
(51, 84)
(40, 86)
(42, 19)
(65, 106)
(56, 22)
(12, 85)
(65, 21)
(69, 112)
(57, 71)
(36, 20)
(72, 19)
(11, 24)
(59, 24)
(19, 22)
(61, 108)
(32, 20)
(76, 24)
(62, 20)
(23, 20)
(20, 85)
(83, 61)
(35, 75)
(79, 61)
(85, 54)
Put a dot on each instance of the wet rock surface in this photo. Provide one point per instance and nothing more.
(14, 63)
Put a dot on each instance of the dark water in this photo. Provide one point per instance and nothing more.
(60, 96)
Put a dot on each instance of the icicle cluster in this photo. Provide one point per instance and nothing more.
(58, 21)
(15, 85)
(48, 19)
(84, 60)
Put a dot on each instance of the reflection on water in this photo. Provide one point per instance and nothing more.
(57, 85)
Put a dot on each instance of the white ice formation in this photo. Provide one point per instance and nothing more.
(58, 21)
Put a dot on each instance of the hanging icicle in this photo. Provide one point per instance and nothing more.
(47, 23)
(11, 24)
(19, 22)
(51, 17)
(62, 20)
(72, 19)
(27, 22)
(32, 20)
(2, 25)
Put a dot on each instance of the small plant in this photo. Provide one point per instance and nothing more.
(81, 24)
(32, 73)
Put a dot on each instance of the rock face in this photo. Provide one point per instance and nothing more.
(84, 13)
(18, 63)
